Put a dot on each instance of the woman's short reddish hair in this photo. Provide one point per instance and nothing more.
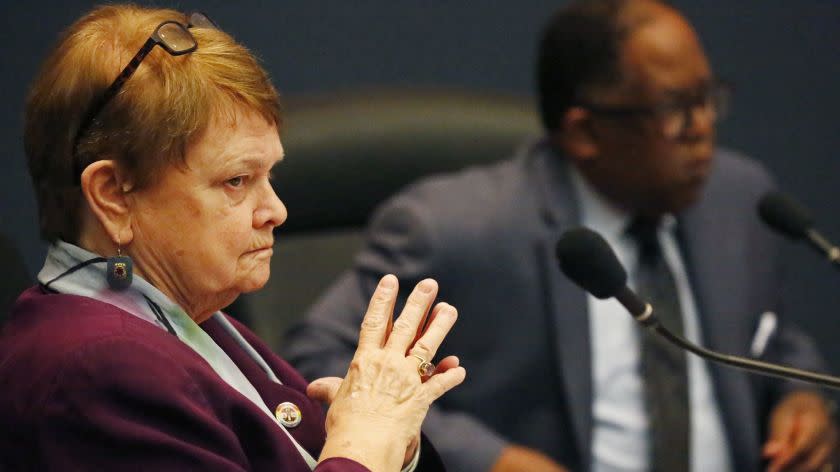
(146, 127)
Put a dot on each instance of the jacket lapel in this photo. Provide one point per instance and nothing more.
(566, 306)
(719, 279)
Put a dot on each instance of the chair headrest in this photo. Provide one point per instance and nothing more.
(348, 151)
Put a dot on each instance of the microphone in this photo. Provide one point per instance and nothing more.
(786, 216)
(589, 262)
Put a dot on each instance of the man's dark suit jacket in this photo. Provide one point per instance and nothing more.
(488, 235)
(87, 386)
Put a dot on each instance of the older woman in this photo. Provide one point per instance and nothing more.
(154, 189)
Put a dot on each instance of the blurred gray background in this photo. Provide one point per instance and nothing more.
(782, 56)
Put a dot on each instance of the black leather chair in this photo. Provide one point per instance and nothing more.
(347, 152)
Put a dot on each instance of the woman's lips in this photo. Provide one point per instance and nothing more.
(261, 251)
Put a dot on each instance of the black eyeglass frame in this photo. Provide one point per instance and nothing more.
(196, 19)
(719, 91)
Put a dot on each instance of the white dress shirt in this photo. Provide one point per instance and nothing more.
(620, 436)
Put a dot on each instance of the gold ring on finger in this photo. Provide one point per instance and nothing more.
(426, 368)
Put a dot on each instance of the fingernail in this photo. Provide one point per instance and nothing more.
(426, 286)
(387, 282)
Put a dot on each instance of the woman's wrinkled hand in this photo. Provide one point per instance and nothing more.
(376, 411)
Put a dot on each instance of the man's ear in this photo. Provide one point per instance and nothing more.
(106, 191)
(575, 136)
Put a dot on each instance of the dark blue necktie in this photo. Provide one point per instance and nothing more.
(664, 367)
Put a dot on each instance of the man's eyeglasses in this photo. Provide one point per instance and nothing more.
(676, 116)
(173, 37)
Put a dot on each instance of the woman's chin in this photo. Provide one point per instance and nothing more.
(255, 280)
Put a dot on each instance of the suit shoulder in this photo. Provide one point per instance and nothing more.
(474, 201)
(48, 335)
(64, 321)
(469, 186)
(737, 182)
(735, 168)
(56, 367)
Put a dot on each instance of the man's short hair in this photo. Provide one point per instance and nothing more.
(580, 51)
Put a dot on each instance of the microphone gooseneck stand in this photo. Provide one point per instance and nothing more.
(650, 322)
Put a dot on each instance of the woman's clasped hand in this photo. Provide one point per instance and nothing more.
(384, 397)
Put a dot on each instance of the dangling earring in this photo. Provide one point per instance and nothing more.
(120, 270)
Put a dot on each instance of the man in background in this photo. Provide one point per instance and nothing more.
(560, 380)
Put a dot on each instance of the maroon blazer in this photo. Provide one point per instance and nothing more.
(85, 385)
